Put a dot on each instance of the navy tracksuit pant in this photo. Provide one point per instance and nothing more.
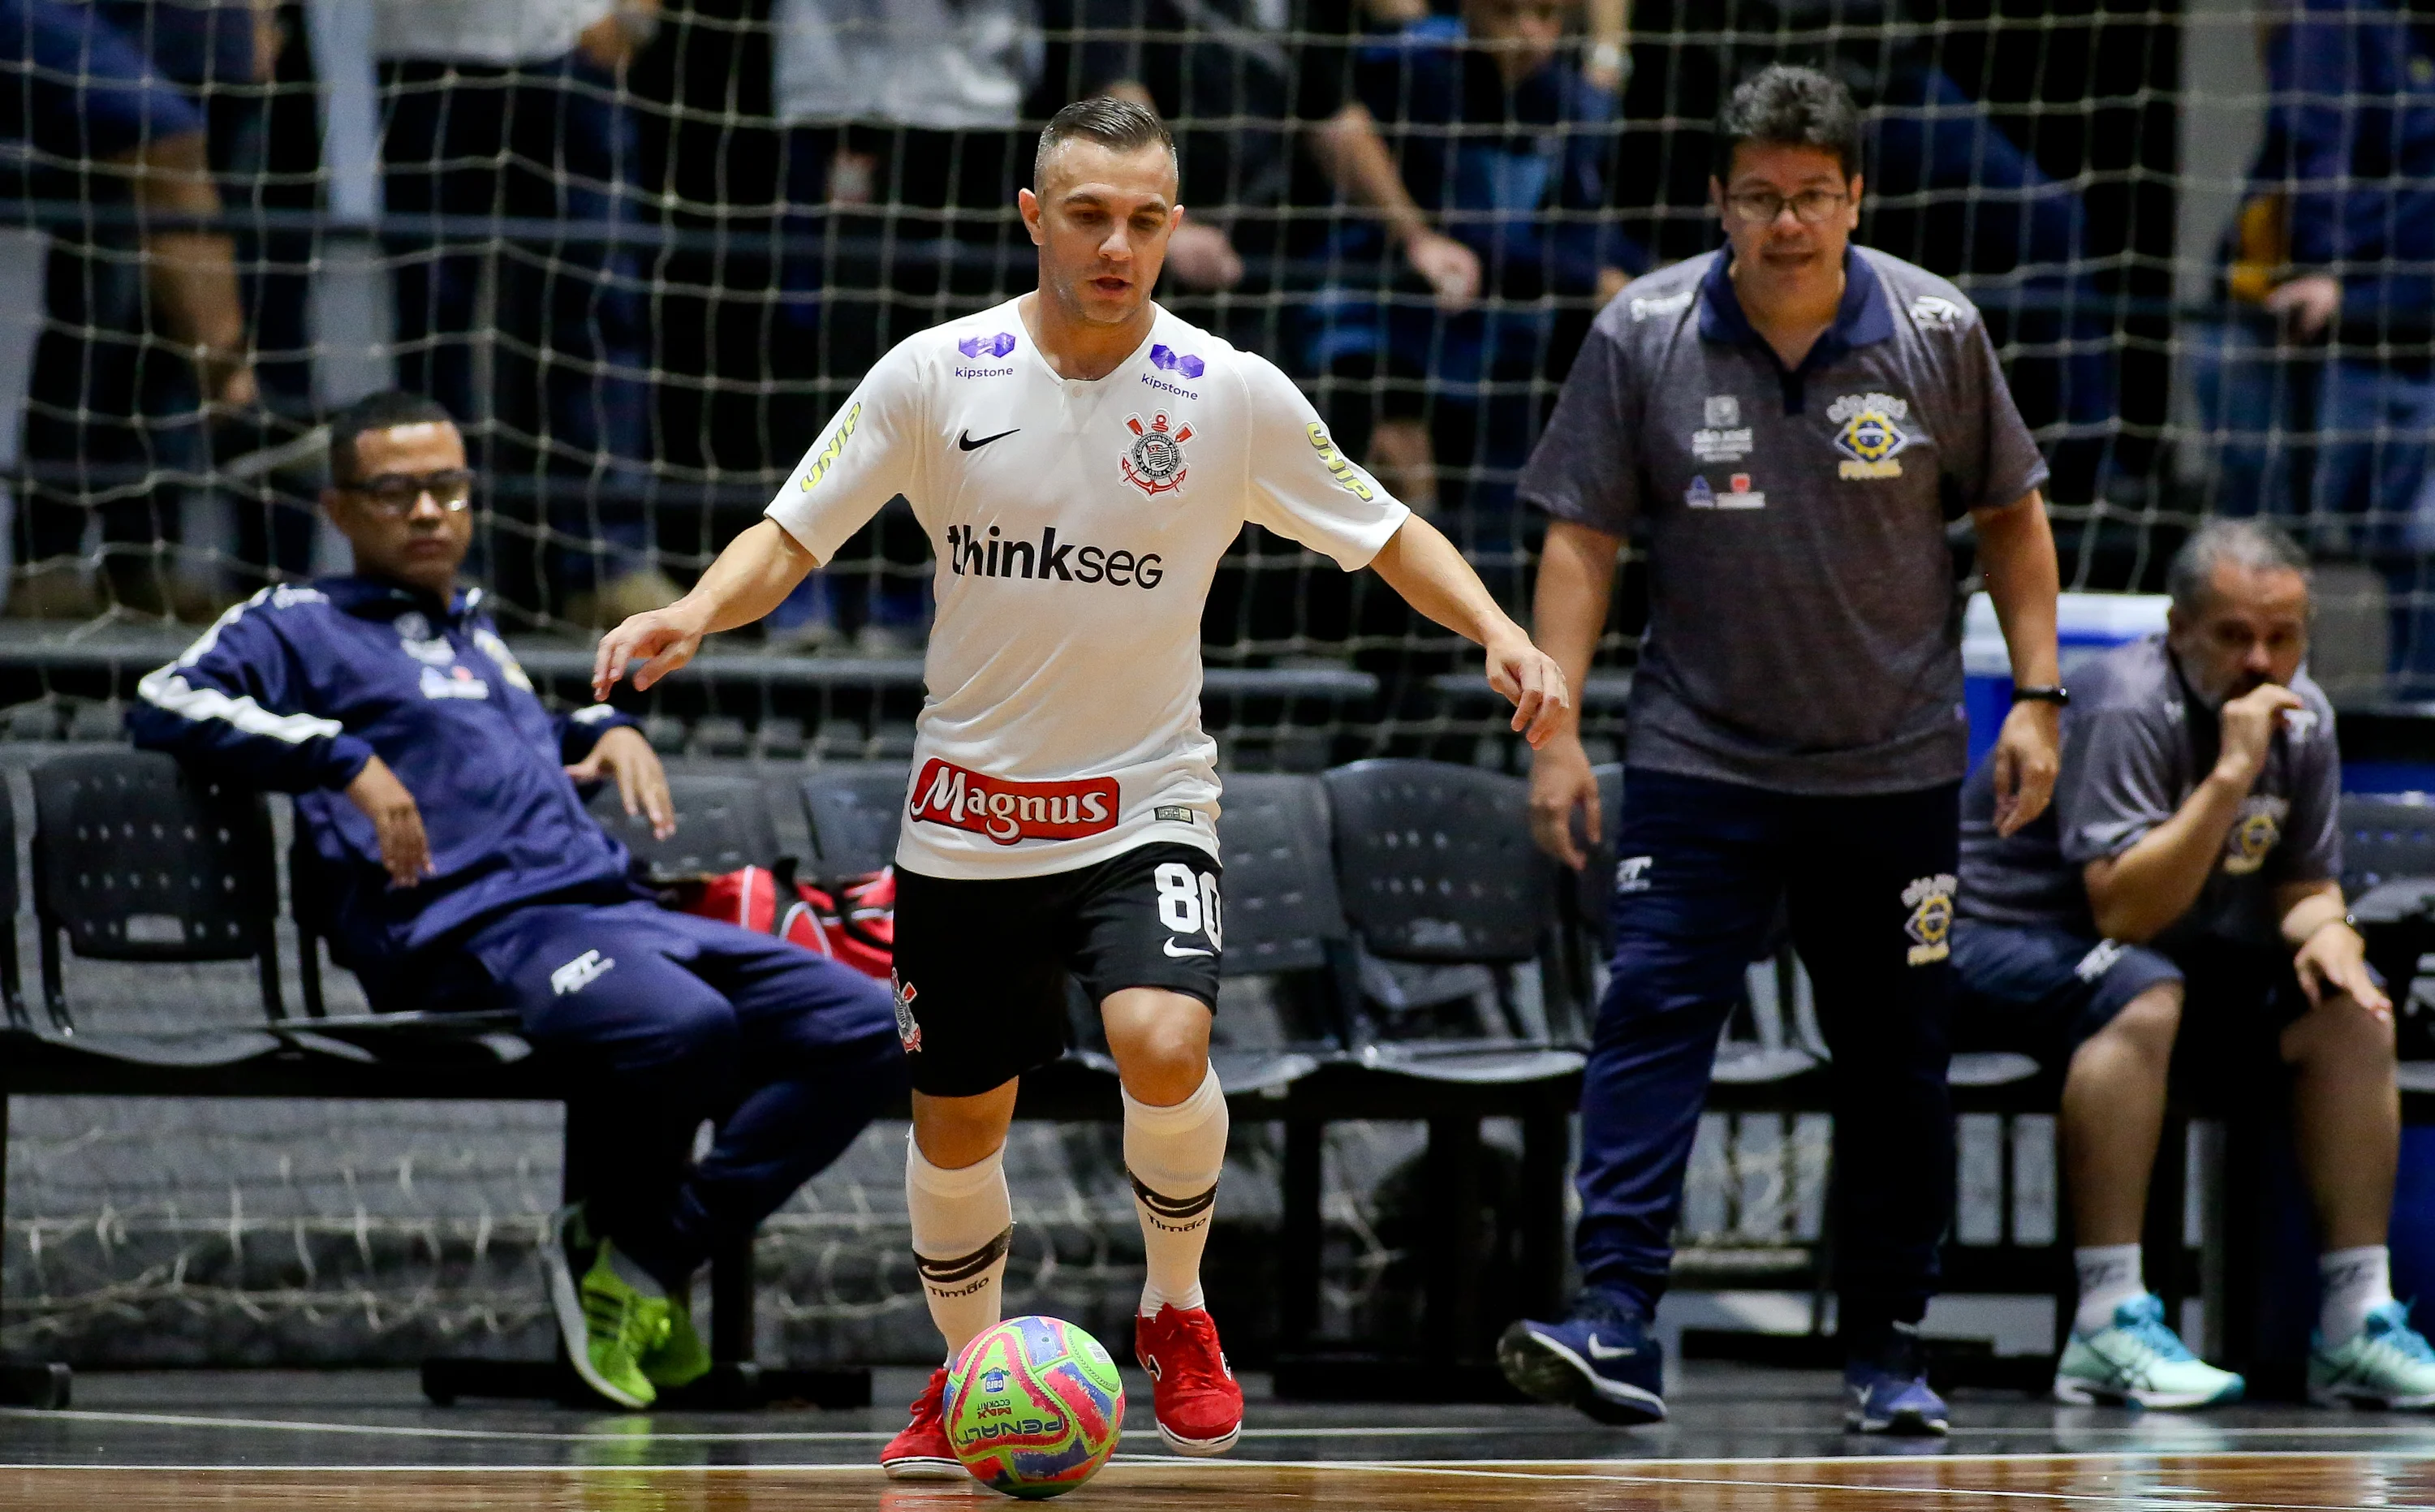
(1702, 868)
(677, 1020)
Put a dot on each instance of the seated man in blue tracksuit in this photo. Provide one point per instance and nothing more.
(462, 870)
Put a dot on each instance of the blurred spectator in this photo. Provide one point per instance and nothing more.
(2361, 85)
(1483, 154)
(511, 111)
(115, 421)
(901, 120)
(2255, 392)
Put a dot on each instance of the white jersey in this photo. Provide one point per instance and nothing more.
(1076, 524)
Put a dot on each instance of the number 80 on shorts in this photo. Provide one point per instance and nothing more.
(1188, 904)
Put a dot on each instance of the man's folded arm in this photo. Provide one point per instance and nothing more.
(238, 705)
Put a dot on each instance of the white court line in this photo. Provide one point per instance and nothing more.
(1625, 1472)
(306, 1425)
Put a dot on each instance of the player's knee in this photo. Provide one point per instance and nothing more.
(1161, 1043)
(2149, 1024)
(2338, 1035)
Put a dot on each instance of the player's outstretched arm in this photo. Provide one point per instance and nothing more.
(754, 574)
(1419, 563)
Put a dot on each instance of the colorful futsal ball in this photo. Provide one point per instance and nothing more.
(1033, 1406)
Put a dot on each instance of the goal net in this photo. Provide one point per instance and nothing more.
(642, 267)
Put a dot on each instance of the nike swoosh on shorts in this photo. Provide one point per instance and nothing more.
(1186, 951)
(964, 441)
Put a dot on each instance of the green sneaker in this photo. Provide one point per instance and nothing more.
(682, 1359)
(2386, 1364)
(606, 1325)
(2136, 1359)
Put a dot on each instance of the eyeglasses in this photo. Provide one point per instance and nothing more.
(1760, 207)
(397, 493)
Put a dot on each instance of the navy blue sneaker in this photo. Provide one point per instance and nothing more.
(1887, 1380)
(1602, 1359)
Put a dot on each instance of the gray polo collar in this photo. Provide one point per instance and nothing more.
(1862, 318)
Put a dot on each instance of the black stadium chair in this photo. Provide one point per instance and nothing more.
(722, 824)
(137, 859)
(853, 811)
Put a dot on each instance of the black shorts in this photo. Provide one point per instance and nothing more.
(2040, 993)
(982, 966)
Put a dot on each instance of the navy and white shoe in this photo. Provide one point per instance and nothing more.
(1887, 1382)
(1602, 1359)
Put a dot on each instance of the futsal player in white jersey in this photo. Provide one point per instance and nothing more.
(1082, 459)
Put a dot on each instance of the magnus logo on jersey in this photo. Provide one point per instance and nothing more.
(828, 457)
(995, 346)
(1011, 813)
(970, 554)
(1869, 436)
(1154, 462)
(1347, 476)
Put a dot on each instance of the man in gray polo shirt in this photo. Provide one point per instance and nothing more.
(2192, 857)
(1790, 425)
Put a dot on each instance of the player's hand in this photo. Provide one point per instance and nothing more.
(1200, 256)
(2027, 758)
(1561, 781)
(2335, 957)
(2249, 723)
(406, 850)
(663, 639)
(623, 754)
(1532, 679)
(1451, 268)
(2308, 303)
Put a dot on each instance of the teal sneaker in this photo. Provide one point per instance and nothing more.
(2386, 1364)
(2138, 1360)
(682, 1359)
(608, 1326)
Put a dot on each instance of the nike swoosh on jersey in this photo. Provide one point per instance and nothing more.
(1186, 951)
(964, 441)
(1609, 1351)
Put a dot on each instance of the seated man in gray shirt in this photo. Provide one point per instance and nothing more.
(2192, 854)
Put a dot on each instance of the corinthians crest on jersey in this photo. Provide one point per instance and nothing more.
(1154, 462)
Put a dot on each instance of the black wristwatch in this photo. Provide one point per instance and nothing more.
(2054, 692)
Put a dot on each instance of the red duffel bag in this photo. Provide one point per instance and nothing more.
(852, 922)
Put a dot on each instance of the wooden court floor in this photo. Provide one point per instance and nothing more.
(2199, 1483)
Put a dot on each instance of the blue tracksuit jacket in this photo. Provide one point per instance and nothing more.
(296, 688)
(2356, 87)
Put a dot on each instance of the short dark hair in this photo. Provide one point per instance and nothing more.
(375, 412)
(2245, 541)
(1122, 125)
(1789, 106)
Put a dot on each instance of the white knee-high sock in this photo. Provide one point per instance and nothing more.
(962, 1220)
(2357, 1282)
(1174, 1155)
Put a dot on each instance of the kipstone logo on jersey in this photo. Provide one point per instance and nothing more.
(1870, 435)
(908, 1029)
(1167, 359)
(970, 554)
(828, 457)
(2256, 832)
(1347, 476)
(1930, 925)
(990, 346)
(1154, 462)
(1008, 812)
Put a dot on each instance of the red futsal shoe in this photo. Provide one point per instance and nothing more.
(922, 1453)
(1195, 1399)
